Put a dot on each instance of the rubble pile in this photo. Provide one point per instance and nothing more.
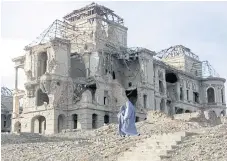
(209, 145)
(203, 118)
(100, 144)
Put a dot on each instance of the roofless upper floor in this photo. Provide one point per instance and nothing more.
(94, 9)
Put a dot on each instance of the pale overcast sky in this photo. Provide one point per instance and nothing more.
(200, 26)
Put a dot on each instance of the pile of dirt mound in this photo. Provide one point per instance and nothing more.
(203, 118)
(155, 116)
(158, 123)
(208, 145)
(212, 118)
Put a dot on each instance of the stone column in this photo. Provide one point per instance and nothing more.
(16, 78)
(15, 96)
(15, 105)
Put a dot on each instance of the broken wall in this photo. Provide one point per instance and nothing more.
(78, 68)
(54, 81)
(92, 34)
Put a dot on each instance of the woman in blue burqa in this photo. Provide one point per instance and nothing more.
(126, 120)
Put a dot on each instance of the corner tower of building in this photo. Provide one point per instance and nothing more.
(99, 27)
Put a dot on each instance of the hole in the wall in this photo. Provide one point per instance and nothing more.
(130, 84)
(171, 78)
(41, 98)
(58, 83)
(132, 96)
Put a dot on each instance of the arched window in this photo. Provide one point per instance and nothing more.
(106, 119)
(210, 95)
(222, 95)
(94, 121)
(75, 121)
(61, 122)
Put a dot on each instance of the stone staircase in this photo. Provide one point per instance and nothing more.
(155, 148)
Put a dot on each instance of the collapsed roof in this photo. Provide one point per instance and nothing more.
(92, 9)
(177, 50)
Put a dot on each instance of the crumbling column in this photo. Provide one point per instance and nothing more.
(16, 78)
(15, 105)
(15, 96)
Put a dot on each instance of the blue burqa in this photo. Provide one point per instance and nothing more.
(127, 120)
(121, 120)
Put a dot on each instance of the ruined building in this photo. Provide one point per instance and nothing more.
(78, 70)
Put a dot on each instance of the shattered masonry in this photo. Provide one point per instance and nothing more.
(79, 69)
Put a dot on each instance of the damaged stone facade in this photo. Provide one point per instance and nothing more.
(77, 79)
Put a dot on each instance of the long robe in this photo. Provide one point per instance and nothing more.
(128, 125)
(121, 120)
